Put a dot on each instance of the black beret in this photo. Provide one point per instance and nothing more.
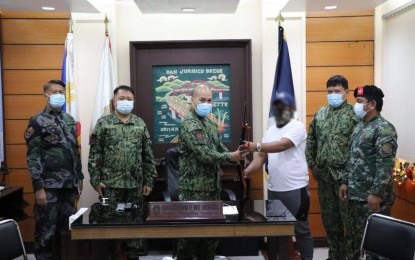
(368, 91)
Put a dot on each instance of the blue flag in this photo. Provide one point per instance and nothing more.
(283, 81)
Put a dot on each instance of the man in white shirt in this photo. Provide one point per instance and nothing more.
(283, 147)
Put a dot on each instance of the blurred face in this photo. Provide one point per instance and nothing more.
(282, 113)
(54, 89)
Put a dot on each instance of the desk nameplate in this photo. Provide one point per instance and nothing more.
(185, 211)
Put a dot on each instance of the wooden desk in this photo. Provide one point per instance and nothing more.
(277, 225)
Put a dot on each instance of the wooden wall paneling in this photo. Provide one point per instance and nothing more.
(5, 14)
(336, 43)
(314, 204)
(316, 225)
(356, 75)
(403, 209)
(358, 28)
(33, 56)
(257, 194)
(27, 229)
(340, 14)
(16, 156)
(308, 121)
(339, 53)
(29, 198)
(14, 131)
(34, 31)
(21, 177)
(314, 100)
(27, 81)
(257, 179)
(23, 106)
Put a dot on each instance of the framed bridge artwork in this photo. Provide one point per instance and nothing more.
(173, 86)
(163, 75)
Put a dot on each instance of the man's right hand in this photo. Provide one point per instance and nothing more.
(343, 192)
(40, 197)
(99, 188)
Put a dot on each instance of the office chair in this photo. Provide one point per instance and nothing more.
(389, 237)
(11, 242)
(172, 177)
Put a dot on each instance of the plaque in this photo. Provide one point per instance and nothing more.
(185, 211)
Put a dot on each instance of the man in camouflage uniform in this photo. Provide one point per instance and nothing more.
(121, 158)
(368, 182)
(55, 168)
(327, 152)
(201, 152)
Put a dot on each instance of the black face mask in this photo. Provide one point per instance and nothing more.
(282, 116)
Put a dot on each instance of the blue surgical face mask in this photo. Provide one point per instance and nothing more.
(203, 109)
(56, 100)
(335, 99)
(359, 110)
(125, 106)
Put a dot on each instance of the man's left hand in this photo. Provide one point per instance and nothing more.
(373, 202)
(147, 190)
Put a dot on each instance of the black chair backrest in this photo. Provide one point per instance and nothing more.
(172, 172)
(11, 243)
(389, 237)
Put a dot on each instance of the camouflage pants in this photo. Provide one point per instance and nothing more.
(333, 215)
(197, 248)
(50, 220)
(358, 214)
(129, 247)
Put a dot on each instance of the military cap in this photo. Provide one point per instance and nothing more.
(368, 91)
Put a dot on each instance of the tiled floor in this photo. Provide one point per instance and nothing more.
(319, 254)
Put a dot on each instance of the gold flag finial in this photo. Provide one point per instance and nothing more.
(106, 25)
(279, 19)
(70, 24)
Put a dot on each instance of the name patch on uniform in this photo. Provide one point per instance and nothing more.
(29, 132)
(199, 135)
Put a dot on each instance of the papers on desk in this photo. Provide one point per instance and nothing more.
(230, 210)
(74, 217)
(2, 188)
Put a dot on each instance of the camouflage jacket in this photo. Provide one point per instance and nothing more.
(120, 154)
(200, 153)
(373, 148)
(328, 138)
(53, 155)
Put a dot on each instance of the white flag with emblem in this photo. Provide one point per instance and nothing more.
(106, 85)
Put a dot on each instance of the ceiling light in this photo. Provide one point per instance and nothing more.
(188, 9)
(330, 7)
(48, 8)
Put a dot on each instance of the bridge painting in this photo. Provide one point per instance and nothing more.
(173, 87)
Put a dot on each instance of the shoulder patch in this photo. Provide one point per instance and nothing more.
(29, 132)
(387, 148)
(199, 135)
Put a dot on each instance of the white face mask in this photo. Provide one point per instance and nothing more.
(359, 109)
(125, 106)
(335, 99)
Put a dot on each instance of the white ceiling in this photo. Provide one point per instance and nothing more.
(175, 6)
(342, 5)
(82, 6)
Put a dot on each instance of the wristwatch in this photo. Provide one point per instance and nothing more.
(258, 147)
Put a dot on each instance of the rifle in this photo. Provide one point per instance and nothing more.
(245, 137)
